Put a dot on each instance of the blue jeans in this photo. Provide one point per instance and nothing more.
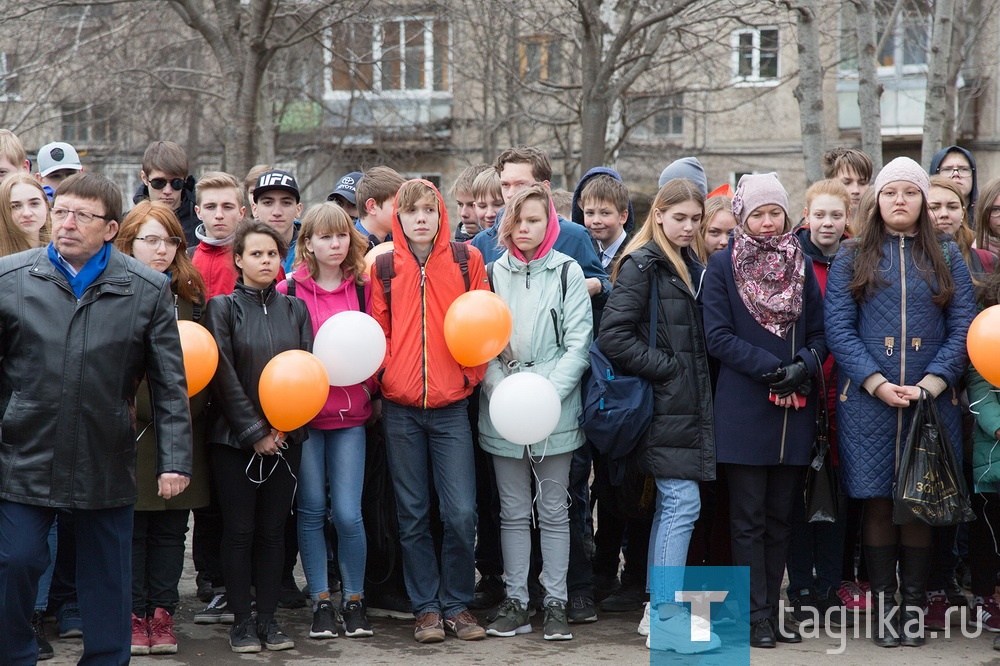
(677, 509)
(333, 460)
(103, 575)
(422, 443)
(45, 582)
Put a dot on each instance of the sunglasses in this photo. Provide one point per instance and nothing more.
(160, 183)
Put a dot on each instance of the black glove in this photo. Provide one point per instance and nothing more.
(805, 388)
(792, 375)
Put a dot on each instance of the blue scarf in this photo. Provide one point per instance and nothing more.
(86, 275)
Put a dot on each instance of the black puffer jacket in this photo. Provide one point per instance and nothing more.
(251, 326)
(69, 369)
(680, 443)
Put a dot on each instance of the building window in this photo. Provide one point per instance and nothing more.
(755, 55)
(88, 124)
(656, 117)
(910, 40)
(539, 58)
(8, 78)
(397, 54)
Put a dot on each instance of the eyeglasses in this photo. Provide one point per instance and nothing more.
(82, 216)
(994, 211)
(154, 241)
(160, 183)
(961, 171)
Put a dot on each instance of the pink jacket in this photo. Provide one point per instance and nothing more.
(347, 406)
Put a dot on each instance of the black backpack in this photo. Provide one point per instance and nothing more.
(358, 286)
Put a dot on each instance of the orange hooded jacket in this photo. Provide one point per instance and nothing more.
(418, 369)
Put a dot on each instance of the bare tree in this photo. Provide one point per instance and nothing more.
(809, 90)
(938, 68)
(869, 88)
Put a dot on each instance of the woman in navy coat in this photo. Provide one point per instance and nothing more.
(763, 321)
(899, 302)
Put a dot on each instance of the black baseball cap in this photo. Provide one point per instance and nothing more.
(276, 179)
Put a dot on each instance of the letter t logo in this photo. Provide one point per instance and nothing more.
(701, 608)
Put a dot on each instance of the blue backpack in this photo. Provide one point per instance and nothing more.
(617, 408)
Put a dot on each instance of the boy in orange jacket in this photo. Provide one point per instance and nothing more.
(424, 409)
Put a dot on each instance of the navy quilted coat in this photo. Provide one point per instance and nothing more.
(749, 429)
(901, 333)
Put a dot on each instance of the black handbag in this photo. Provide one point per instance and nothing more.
(929, 486)
(821, 488)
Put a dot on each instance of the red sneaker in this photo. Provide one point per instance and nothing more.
(140, 635)
(854, 596)
(936, 616)
(161, 633)
(986, 615)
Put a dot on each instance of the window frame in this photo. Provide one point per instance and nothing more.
(437, 74)
(755, 78)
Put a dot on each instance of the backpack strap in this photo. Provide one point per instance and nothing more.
(565, 273)
(359, 287)
(384, 272)
(489, 275)
(197, 308)
(290, 283)
(460, 253)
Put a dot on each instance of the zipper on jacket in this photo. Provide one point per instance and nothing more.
(784, 422)
(902, 347)
(423, 327)
(555, 323)
(527, 278)
(177, 315)
(263, 300)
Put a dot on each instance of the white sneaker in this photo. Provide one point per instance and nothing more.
(674, 633)
(644, 622)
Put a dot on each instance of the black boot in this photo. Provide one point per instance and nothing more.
(881, 561)
(914, 566)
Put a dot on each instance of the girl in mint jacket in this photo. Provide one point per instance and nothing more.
(547, 297)
(984, 403)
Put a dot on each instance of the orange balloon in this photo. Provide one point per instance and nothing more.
(477, 327)
(201, 355)
(983, 343)
(381, 248)
(293, 388)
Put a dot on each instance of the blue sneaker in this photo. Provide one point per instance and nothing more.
(69, 621)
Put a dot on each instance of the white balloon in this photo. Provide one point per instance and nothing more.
(525, 408)
(351, 345)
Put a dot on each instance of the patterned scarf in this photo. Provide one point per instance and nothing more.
(770, 276)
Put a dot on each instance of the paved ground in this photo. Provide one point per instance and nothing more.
(611, 640)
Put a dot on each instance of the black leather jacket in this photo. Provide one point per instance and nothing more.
(251, 326)
(68, 377)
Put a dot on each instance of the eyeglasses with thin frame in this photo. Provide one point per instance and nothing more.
(82, 216)
(951, 171)
(154, 241)
(907, 194)
(160, 183)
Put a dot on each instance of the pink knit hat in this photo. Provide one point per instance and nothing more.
(758, 189)
(905, 169)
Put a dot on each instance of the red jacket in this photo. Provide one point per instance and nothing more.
(418, 370)
(215, 263)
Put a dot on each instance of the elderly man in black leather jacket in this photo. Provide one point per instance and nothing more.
(80, 325)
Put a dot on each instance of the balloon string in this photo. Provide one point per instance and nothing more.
(538, 484)
(348, 408)
(986, 499)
